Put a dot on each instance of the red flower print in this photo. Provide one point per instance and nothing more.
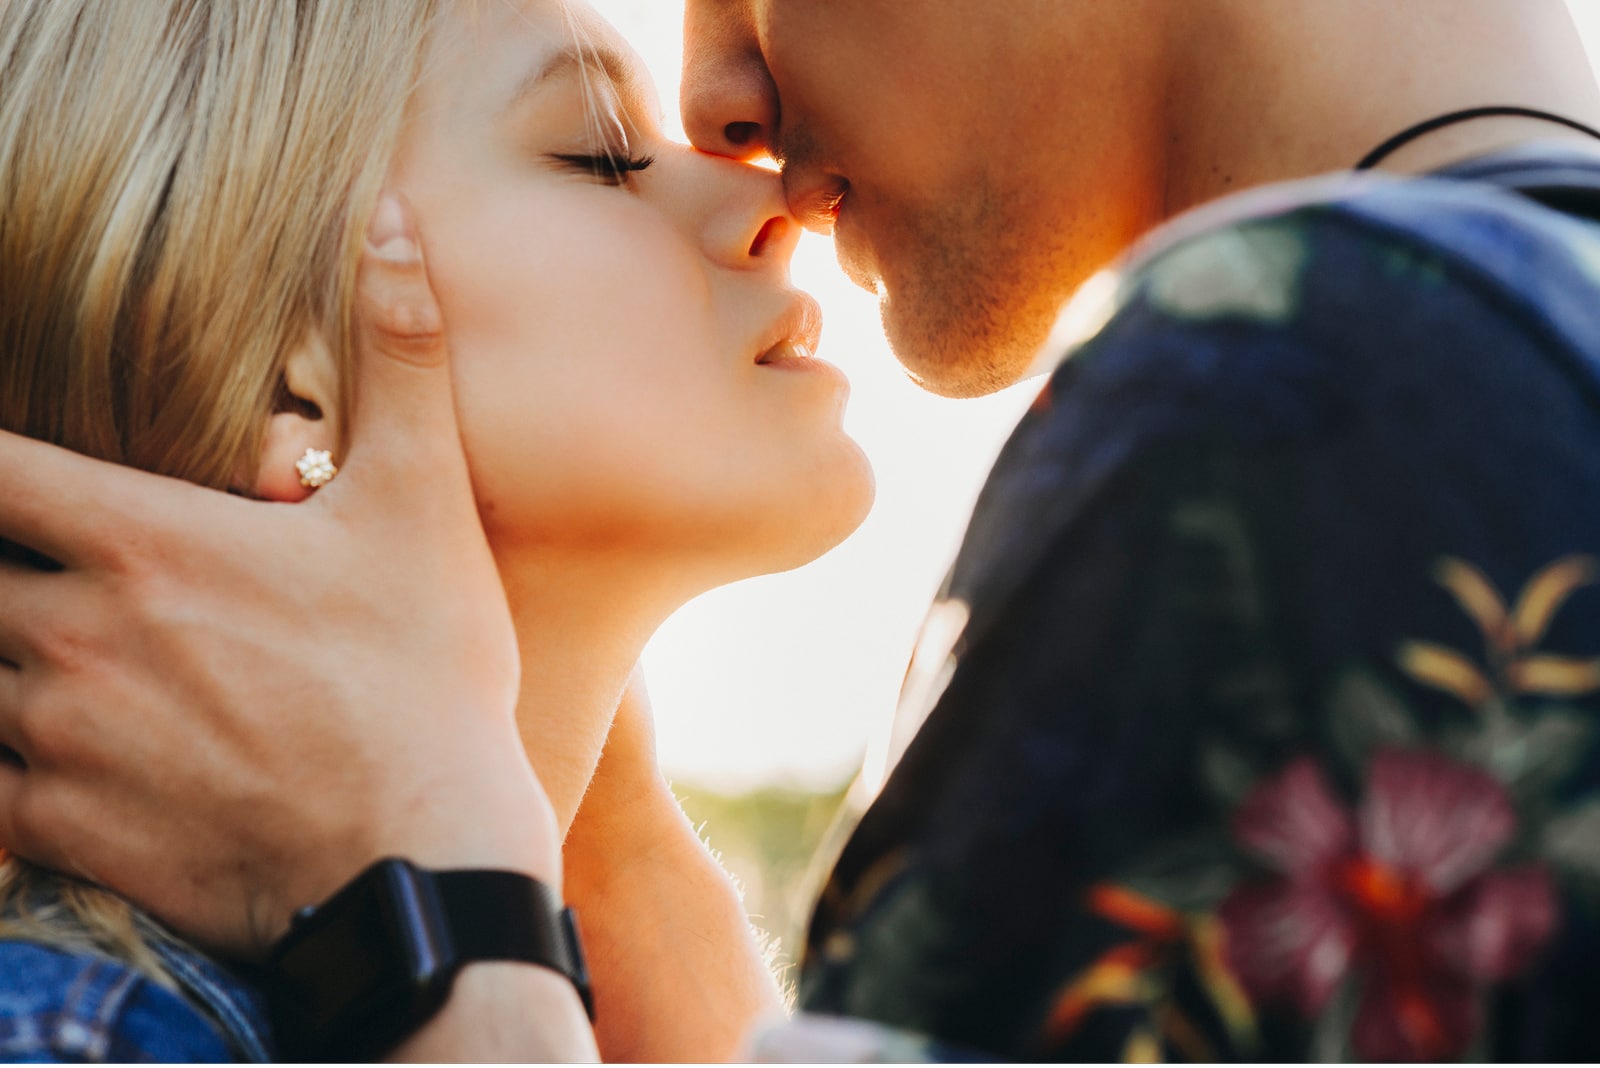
(1401, 894)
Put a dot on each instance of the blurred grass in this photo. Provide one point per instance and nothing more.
(768, 840)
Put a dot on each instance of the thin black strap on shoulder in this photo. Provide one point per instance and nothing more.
(1427, 126)
(1567, 180)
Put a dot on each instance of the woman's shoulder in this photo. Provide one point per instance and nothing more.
(68, 1006)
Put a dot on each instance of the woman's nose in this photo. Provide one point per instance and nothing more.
(729, 103)
(756, 231)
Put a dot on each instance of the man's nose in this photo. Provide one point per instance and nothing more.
(730, 105)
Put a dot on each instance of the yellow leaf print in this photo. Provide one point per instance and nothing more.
(1515, 667)
(1445, 669)
(1113, 980)
(1232, 1004)
(1545, 595)
(1555, 676)
(1478, 599)
(1142, 1048)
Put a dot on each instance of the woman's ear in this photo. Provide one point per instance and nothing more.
(305, 417)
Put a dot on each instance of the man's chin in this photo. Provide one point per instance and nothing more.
(959, 357)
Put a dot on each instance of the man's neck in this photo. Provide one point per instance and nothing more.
(1271, 92)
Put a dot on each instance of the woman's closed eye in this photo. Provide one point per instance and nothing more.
(612, 168)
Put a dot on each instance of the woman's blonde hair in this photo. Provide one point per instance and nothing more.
(184, 188)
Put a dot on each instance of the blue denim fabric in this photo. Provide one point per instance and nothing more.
(59, 1006)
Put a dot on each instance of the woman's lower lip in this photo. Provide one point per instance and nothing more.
(787, 353)
(795, 363)
(793, 356)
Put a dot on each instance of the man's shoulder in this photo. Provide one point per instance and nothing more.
(1245, 307)
(1277, 321)
(1250, 259)
(1475, 209)
(61, 1005)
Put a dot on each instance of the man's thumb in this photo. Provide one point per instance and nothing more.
(404, 423)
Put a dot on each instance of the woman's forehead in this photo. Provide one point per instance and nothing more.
(505, 49)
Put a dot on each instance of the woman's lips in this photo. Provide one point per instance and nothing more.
(795, 334)
(793, 343)
(796, 356)
(788, 352)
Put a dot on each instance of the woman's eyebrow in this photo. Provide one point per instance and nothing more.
(572, 60)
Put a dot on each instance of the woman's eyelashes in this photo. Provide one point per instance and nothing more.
(610, 167)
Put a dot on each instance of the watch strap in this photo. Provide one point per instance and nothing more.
(507, 916)
(357, 974)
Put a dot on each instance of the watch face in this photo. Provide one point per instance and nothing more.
(347, 961)
(377, 949)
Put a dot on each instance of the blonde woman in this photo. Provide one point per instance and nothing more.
(187, 191)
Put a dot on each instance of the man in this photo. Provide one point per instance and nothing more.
(1259, 705)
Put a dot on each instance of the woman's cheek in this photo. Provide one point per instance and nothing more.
(569, 453)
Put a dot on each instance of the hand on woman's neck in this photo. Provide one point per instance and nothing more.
(1272, 92)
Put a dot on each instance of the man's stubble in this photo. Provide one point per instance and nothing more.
(970, 293)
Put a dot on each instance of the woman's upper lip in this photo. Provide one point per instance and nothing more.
(801, 322)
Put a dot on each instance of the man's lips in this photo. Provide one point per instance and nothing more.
(816, 204)
(818, 201)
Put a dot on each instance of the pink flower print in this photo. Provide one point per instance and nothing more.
(1402, 895)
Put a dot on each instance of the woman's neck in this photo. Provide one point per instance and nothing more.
(582, 622)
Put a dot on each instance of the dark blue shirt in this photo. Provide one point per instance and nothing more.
(1258, 717)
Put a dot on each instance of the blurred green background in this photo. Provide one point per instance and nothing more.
(769, 839)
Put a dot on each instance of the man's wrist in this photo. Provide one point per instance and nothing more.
(505, 1013)
(358, 974)
(502, 822)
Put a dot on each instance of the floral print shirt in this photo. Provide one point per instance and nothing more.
(1258, 717)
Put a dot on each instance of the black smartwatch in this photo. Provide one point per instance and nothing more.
(358, 974)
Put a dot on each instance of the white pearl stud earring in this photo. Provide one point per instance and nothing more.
(316, 468)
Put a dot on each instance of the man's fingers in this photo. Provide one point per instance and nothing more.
(397, 304)
(74, 509)
(405, 424)
(28, 808)
(20, 607)
(10, 712)
(11, 786)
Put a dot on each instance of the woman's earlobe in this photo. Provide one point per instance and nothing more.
(296, 458)
(297, 449)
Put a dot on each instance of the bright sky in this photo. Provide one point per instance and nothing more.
(784, 679)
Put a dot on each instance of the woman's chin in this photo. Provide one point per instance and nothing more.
(824, 517)
(683, 539)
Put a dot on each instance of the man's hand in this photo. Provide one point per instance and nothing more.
(227, 708)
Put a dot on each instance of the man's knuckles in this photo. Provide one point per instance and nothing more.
(406, 318)
(35, 821)
(49, 729)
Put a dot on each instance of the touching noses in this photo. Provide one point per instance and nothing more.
(729, 103)
(758, 233)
